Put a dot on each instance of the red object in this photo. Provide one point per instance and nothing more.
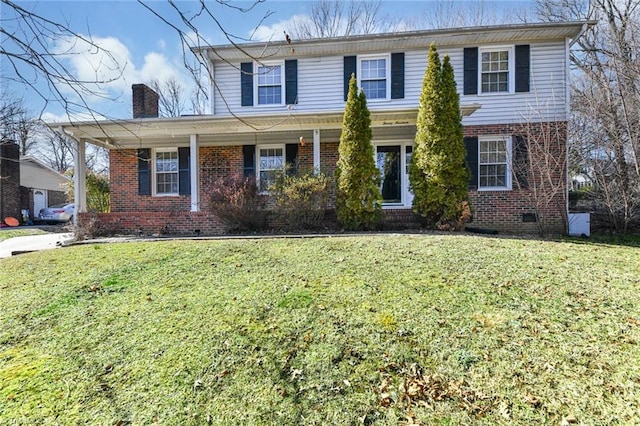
(11, 221)
(59, 211)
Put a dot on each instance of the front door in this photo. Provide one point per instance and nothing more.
(39, 201)
(393, 163)
(388, 162)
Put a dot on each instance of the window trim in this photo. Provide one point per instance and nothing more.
(509, 179)
(283, 147)
(511, 71)
(256, 97)
(154, 183)
(387, 58)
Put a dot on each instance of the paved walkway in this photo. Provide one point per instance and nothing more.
(33, 243)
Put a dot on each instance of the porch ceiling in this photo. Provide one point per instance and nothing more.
(212, 130)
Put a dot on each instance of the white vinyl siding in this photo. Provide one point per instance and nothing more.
(321, 79)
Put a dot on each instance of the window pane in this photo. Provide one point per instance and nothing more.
(269, 95)
(408, 158)
(167, 183)
(269, 85)
(166, 172)
(493, 163)
(269, 75)
(373, 79)
(495, 71)
(271, 162)
(375, 89)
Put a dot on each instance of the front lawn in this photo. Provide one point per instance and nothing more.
(429, 329)
(7, 233)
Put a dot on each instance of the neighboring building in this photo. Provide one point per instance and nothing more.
(261, 111)
(27, 184)
(9, 180)
(41, 186)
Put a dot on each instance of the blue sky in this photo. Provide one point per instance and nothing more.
(152, 50)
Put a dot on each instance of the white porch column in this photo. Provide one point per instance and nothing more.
(79, 178)
(194, 167)
(316, 151)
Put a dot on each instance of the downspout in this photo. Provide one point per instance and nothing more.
(212, 89)
(568, 44)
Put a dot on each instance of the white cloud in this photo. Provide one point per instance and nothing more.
(276, 31)
(162, 45)
(108, 69)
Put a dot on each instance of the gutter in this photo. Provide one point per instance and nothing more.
(583, 30)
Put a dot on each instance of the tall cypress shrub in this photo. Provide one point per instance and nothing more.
(358, 199)
(438, 171)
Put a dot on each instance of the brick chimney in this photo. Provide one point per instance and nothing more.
(9, 179)
(145, 101)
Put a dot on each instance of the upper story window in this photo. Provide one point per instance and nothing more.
(494, 162)
(271, 161)
(166, 171)
(374, 75)
(496, 70)
(269, 84)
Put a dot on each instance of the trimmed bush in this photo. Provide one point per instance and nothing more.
(358, 199)
(438, 172)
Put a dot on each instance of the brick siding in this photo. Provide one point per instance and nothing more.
(9, 180)
(500, 210)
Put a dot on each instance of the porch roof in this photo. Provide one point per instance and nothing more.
(212, 130)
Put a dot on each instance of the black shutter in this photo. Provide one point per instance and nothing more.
(291, 157)
(291, 81)
(521, 161)
(522, 68)
(349, 68)
(246, 83)
(470, 70)
(397, 75)
(184, 177)
(471, 144)
(144, 171)
(249, 160)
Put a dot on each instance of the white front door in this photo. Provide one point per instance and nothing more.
(39, 201)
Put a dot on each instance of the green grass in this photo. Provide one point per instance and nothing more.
(430, 329)
(5, 234)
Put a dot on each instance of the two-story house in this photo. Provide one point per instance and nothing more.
(278, 102)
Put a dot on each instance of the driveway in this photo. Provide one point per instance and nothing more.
(32, 243)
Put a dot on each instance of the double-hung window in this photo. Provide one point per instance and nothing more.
(374, 76)
(269, 84)
(496, 70)
(166, 171)
(494, 162)
(271, 161)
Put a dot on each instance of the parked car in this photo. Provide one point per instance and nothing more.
(59, 213)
